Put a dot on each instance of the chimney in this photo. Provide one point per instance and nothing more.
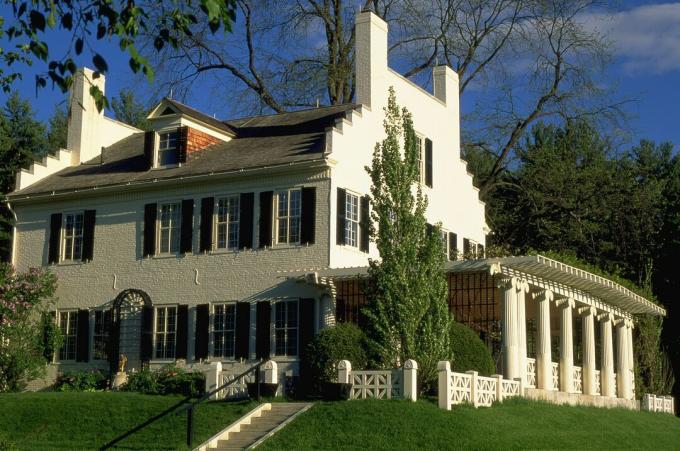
(445, 85)
(85, 123)
(370, 59)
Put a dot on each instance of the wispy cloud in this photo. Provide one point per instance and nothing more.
(646, 38)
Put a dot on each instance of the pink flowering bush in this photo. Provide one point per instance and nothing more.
(27, 336)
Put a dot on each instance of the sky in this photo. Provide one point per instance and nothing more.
(645, 70)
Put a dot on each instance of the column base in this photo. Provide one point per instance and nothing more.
(578, 399)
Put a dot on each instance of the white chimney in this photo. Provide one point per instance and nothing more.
(371, 59)
(85, 122)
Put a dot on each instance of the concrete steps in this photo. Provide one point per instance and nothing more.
(255, 427)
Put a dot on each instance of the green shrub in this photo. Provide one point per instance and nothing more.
(469, 351)
(81, 381)
(341, 342)
(169, 380)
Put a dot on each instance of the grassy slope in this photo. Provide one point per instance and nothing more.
(90, 420)
(516, 424)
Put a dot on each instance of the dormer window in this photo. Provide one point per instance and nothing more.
(168, 149)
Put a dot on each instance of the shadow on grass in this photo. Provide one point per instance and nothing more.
(151, 420)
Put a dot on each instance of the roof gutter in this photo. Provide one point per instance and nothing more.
(318, 162)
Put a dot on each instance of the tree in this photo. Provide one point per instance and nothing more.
(58, 130)
(127, 109)
(27, 335)
(407, 313)
(88, 22)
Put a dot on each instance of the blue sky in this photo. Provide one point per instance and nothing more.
(646, 68)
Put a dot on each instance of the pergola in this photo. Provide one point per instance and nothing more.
(553, 296)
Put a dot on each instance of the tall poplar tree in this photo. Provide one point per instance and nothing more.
(407, 313)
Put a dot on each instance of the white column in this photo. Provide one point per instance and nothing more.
(631, 360)
(622, 380)
(510, 333)
(522, 289)
(566, 345)
(543, 345)
(589, 364)
(607, 357)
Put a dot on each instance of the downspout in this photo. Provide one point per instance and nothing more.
(12, 258)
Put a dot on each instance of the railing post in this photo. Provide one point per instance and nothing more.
(499, 386)
(473, 386)
(257, 383)
(213, 378)
(444, 392)
(410, 380)
(522, 386)
(344, 370)
(190, 425)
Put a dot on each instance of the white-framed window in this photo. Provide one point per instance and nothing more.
(227, 222)
(68, 324)
(288, 213)
(224, 330)
(169, 227)
(286, 328)
(351, 219)
(72, 237)
(420, 149)
(168, 146)
(165, 331)
(103, 322)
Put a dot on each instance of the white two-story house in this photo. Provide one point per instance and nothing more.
(177, 244)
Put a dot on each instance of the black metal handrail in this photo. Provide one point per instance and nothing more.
(190, 407)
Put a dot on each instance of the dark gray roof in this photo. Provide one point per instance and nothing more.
(186, 109)
(260, 142)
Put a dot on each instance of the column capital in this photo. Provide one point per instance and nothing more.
(604, 317)
(565, 302)
(623, 322)
(507, 282)
(587, 310)
(542, 295)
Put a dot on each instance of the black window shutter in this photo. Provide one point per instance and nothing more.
(266, 207)
(365, 220)
(149, 143)
(89, 218)
(466, 248)
(49, 320)
(183, 138)
(429, 228)
(182, 332)
(308, 215)
(55, 238)
(245, 228)
(307, 324)
(187, 230)
(453, 246)
(207, 210)
(83, 338)
(340, 227)
(146, 345)
(149, 229)
(242, 330)
(428, 162)
(202, 336)
(262, 341)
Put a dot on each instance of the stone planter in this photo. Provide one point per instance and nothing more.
(333, 391)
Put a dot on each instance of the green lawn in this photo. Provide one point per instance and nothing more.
(516, 424)
(72, 421)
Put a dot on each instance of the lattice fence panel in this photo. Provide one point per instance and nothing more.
(236, 390)
(555, 376)
(598, 382)
(371, 384)
(461, 388)
(577, 377)
(510, 388)
(531, 372)
(486, 391)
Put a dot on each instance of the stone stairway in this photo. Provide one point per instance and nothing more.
(255, 427)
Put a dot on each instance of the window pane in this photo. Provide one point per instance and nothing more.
(291, 348)
(283, 203)
(280, 314)
(292, 314)
(283, 230)
(281, 342)
(294, 229)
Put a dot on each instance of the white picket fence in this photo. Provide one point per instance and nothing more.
(471, 388)
(653, 403)
(380, 384)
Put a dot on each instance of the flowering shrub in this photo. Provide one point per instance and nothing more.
(169, 380)
(81, 381)
(24, 343)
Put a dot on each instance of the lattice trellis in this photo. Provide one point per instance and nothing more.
(371, 384)
(531, 372)
(555, 376)
(461, 388)
(577, 378)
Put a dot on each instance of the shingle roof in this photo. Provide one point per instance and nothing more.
(260, 142)
(187, 110)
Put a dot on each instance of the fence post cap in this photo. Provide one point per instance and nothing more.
(444, 365)
(410, 364)
(473, 372)
(344, 365)
(497, 376)
(216, 366)
(270, 365)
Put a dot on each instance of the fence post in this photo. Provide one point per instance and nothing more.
(444, 392)
(499, 386)
(190, 426)
(521, 386)
(473, 386)
(344, 370)
(646, 403)
(213, 378)
(271, 375)
(410, 380)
